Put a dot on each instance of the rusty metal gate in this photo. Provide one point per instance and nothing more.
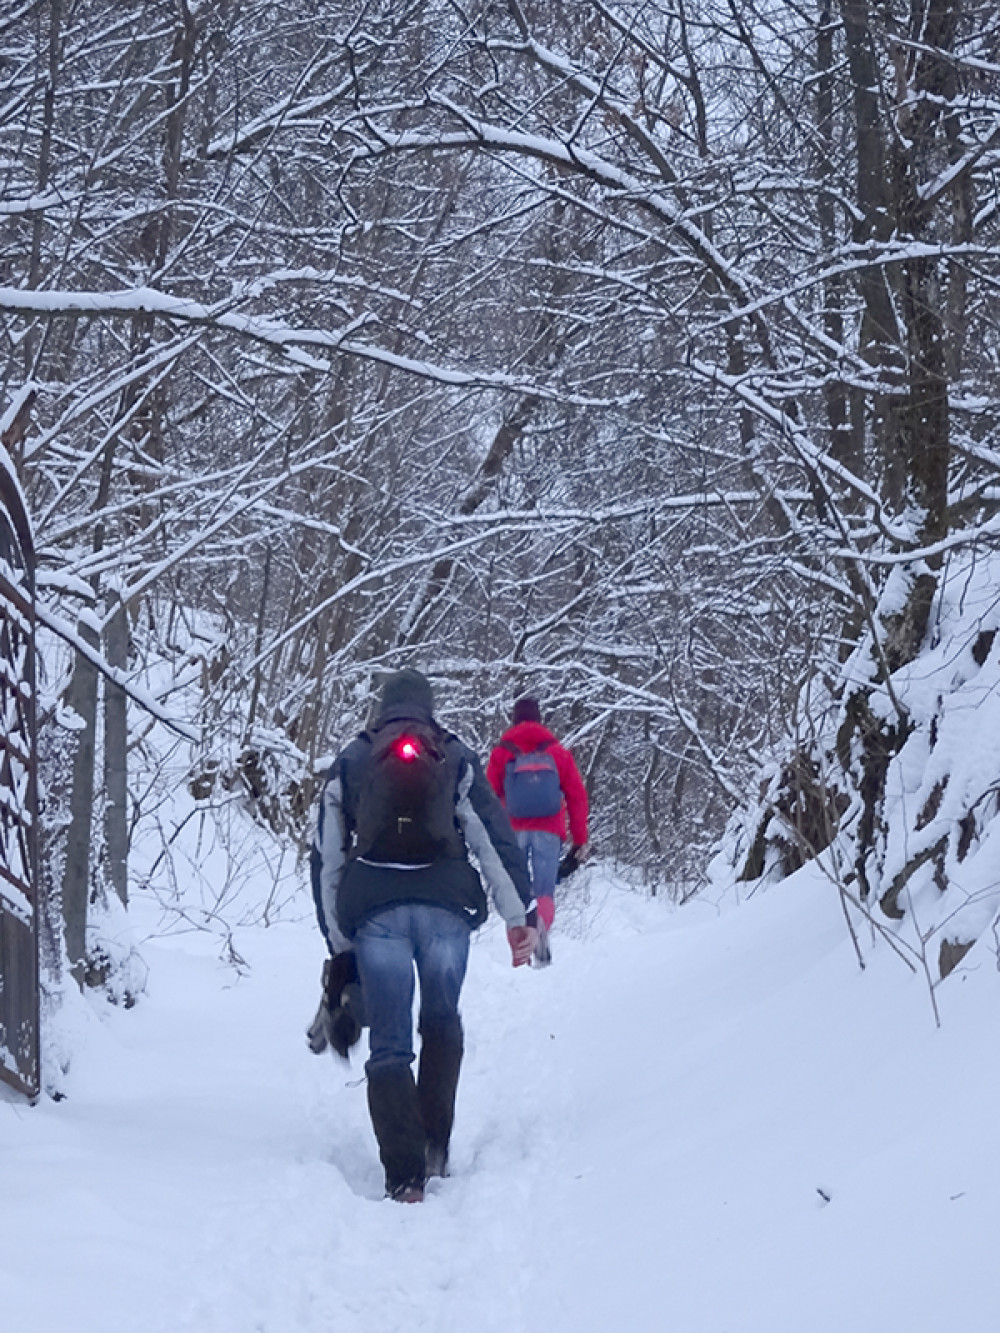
(19, 1059)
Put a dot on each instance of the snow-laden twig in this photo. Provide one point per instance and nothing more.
(294, 343)
(117, 677)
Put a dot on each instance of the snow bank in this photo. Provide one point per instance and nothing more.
(688, 1122)
(932, 857)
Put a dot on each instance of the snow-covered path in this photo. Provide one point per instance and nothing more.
(643, 1133)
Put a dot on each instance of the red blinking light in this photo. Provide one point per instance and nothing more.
(407, 748)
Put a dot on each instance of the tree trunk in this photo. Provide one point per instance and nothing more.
(81, 697)
(116, 754)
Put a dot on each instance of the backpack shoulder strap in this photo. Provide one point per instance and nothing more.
(535, 749)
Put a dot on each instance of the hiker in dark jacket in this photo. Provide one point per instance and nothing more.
(542, 835)
(394, 887)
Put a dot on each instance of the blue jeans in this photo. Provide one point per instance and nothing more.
(542, 851)
(387, 945)
(412, 1121)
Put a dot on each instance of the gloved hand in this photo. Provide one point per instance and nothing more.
(573, 860)
(343, 1030)
(522, 940)
(339, 972)
(340, 1016)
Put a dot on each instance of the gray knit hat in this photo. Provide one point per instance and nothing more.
(407, 687)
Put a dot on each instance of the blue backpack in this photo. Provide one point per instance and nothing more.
(531, 785)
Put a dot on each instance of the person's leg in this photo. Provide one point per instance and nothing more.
(542, 850)
(442, 956)
(385, 949)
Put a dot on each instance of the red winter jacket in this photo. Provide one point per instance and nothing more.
(529, 736)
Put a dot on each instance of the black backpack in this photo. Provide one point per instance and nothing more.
(406, 797)
(531, 787)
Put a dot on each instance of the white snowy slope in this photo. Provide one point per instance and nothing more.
(643, 1136)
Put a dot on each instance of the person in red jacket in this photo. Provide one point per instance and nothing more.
(527, 743)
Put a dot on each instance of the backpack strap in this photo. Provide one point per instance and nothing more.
(516, 751)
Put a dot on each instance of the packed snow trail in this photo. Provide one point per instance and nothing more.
(646, 1132)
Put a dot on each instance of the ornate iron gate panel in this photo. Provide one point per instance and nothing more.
(19, 1057)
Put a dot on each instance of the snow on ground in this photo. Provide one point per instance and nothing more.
(644, 1130)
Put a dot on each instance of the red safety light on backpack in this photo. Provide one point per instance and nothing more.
(407, 748)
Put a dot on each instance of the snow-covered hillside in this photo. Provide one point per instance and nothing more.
(903, 807)
(699, 1119)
